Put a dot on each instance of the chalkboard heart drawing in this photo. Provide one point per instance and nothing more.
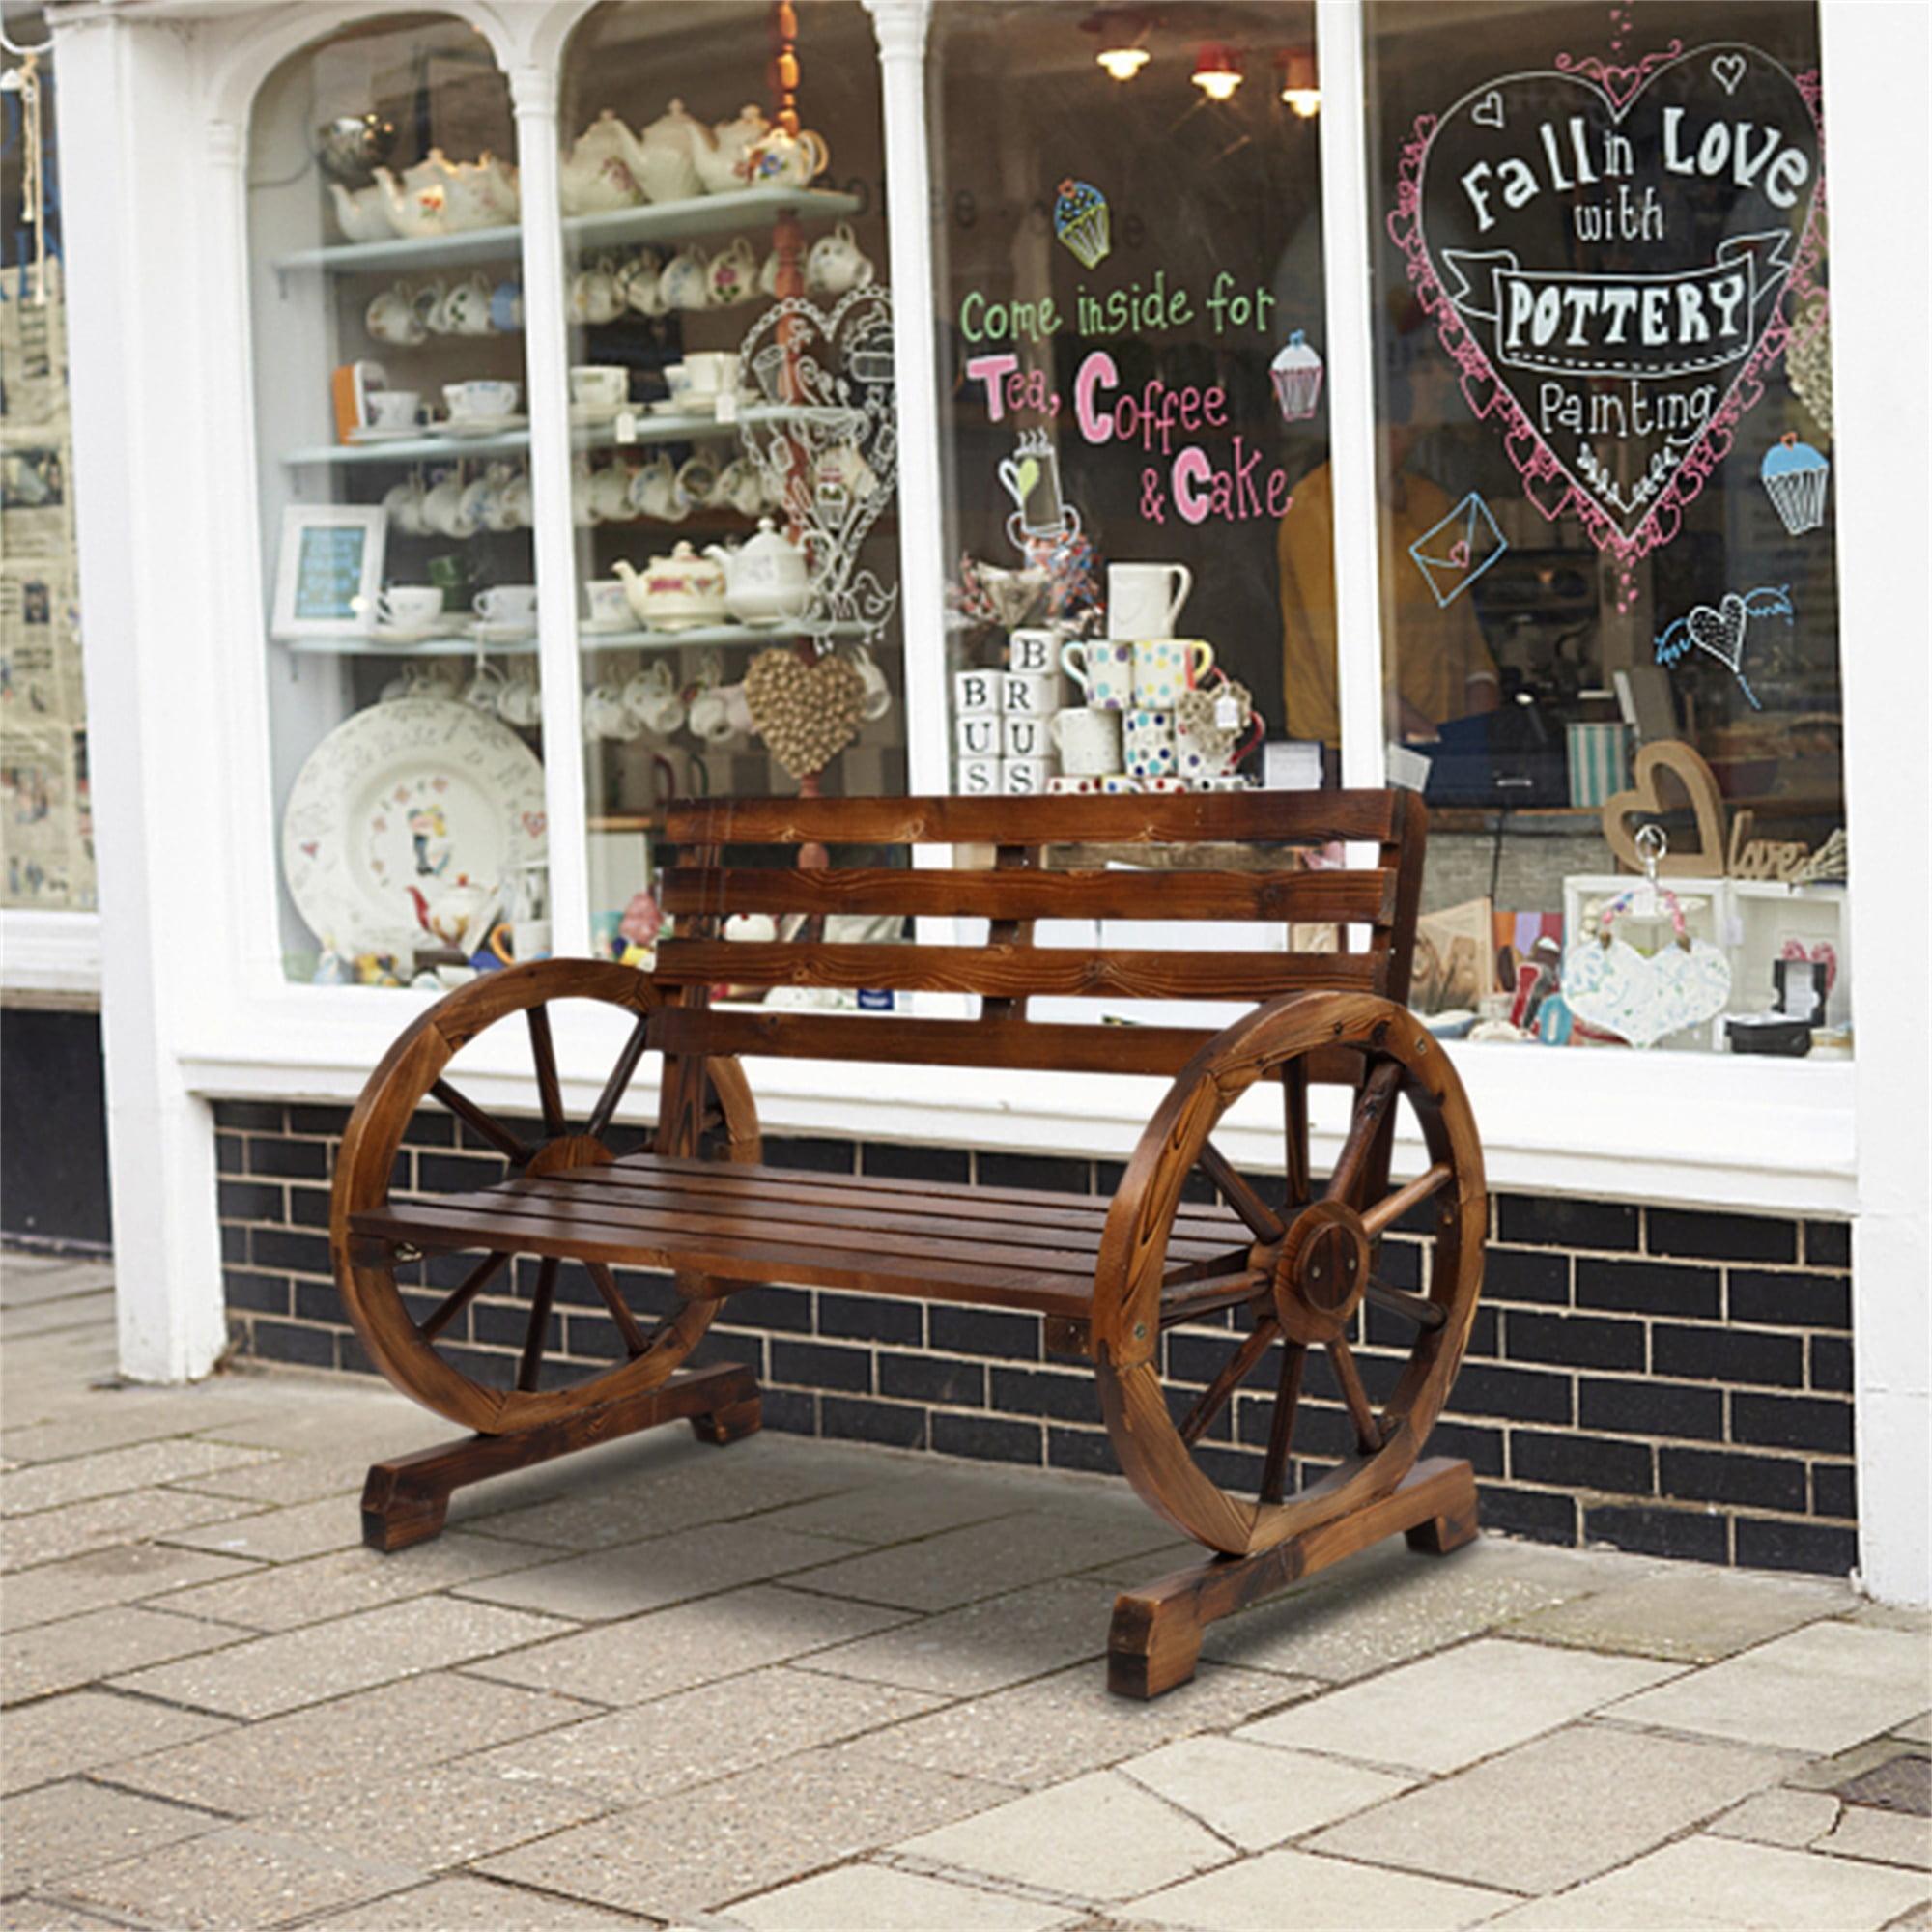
(1609, 255)
(1613, 987)
(1720, 630)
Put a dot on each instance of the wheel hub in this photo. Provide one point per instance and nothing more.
(1320, 1272)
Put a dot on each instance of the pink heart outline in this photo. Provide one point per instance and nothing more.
(1546, 482)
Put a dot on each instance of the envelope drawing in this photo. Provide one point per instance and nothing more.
(1454, 553)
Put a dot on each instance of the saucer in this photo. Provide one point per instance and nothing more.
(400, 635)
(502, 634)
(590, 415)
(479, 425)
(373, 433)
(606, 627)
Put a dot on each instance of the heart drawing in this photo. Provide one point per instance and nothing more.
(1611, 255)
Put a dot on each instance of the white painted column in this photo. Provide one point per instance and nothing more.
(1348, 280)
(1874, 66)
(129, 192)
(547, 387)
(901, 28)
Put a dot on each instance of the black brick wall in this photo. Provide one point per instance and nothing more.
(1662, 1379)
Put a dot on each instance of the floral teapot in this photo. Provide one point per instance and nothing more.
(362, 214)
(674, 592)
(720, 159)
(767, 580)
(595, 176)
(439, 196)
(664, 156)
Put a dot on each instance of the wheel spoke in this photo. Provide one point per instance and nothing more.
(486, 1126)
(1416, 1308)
(460, 1297)
(1262, 1219)
(533, 1335)
(1234, 1371)
(614, 1088)
(1294, 1105)
(548, 1092)
(1377, 1220)
(1368, 1431)
(635, 1340)
(1281, 1425)
(1372, 1104)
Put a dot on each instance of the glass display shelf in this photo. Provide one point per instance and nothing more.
(654, 221)
(648, 429)
(356, 644)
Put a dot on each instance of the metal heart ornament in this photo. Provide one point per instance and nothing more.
(805, 713)
(1609, 254)
(1613, 987)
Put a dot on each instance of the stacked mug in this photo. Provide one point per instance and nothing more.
(1121, 738)
(1001, 719)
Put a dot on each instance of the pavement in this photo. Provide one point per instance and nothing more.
(794, 1686)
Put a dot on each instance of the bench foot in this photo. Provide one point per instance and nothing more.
(406, 1499)
(1155, 1641)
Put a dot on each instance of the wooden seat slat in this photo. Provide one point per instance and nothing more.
(1263, 818)
(1362, 897)
(1009, 971)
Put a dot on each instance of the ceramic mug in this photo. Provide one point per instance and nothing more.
(1144, 600)
(686, 281)
(980, 777)
(734, 275)
(520, 702)
(1166, 667)
(606, 716)
(654, 491)
(410, 607)
(466, 310)
(513, 604)
(1089, 741)
(1033, 650)
(1104, 671)
(653, 699)
(1023, 778)
(710, 372)
(978, 733)
(638, 283)
(393, 409)
(1029, 693)
(600, 385)
(394, 316)
(609, 607)
(878, 694)
(1068, 785)
(836, 265)
(1149, 739)
(1023, 737)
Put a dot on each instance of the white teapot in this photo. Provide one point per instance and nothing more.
(418, 203)
(676, 592)
(767, 580)
(778, 159)
(719, 160)
(486, 189)
(663, 158)
(439, 196)
(364, 215)
(595, 176)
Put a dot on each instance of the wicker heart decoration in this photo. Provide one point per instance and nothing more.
(805, 713)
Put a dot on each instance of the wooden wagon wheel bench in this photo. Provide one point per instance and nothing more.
(1109, 1278)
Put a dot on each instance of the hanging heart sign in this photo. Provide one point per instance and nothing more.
(1606, 253)
(1618, 991)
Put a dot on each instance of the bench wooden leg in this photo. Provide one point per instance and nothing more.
(406, 1499)
(1155, 1640)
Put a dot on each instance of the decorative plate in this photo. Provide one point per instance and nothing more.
(410, 797)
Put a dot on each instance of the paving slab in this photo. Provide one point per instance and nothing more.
(1058, 1726)
(1289, 1891)
(1387, 1605)
(1724, 1885)
(1817, 1689)
(1688, 1613)
(877, 1898)
(91, 1420)
(1780, 1817)
(1101, 1837)
(100, 1643)
(622, 1581)
(904, 1506)
(124, 1572)
(284, 1595)
(699, 1850)
(688, 1644)
(139, 1466)
(35, 1914)
(372, 1734)
(60, 1736)
(1448, 1710)
(282, 1480)
(1257, 1796)
(983, 1646)
(264, 1675)
(56, 1315)
(472, 1904)
(1557, 1810)
(277, 1534)
(235, 1880)
(56, 1831)
(986, 1559)
(1889, 1837)
(705, 1733)
(143, 1515)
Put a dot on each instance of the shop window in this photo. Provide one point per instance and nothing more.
(397, 517)
(1608, 553)
(731, 372)
(1126, 210)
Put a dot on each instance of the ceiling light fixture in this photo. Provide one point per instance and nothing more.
(1299, 85)
(1123, 33)
(1216, 72)
(1122, 63)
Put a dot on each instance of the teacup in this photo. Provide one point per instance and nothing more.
(605, 715)
(734, 275)
(446, 510)
(836, 265)
(480, 400)
(653, 699)
(404, 502)
(1149, 739)
(520, 702)
(721, 714)
(394, 316)
(1166, 667)
(638, 283)
(501, 504)
(695, 480)
(428, 300)
(393, 409)
(507, 306)
(710, 372)
(599, 385)
(479, 503)
(583, 510)
(686, 281)
(512, 605)
(878, 694)
(410, 607)
(654, 491)
(609, 607)
(1105, 670)
(611, 494)
(466, 310)
(768, 275)
(485, 687)
(1089, 741)
(739, 487)
(519, 501)
(417, 681)
(595, 294)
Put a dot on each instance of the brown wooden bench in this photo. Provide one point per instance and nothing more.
(1109, 1277)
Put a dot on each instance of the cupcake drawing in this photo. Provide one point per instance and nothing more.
(1795, 477)
(1296, 375)
(1080, 220)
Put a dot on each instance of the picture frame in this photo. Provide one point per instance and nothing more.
(329, 570)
